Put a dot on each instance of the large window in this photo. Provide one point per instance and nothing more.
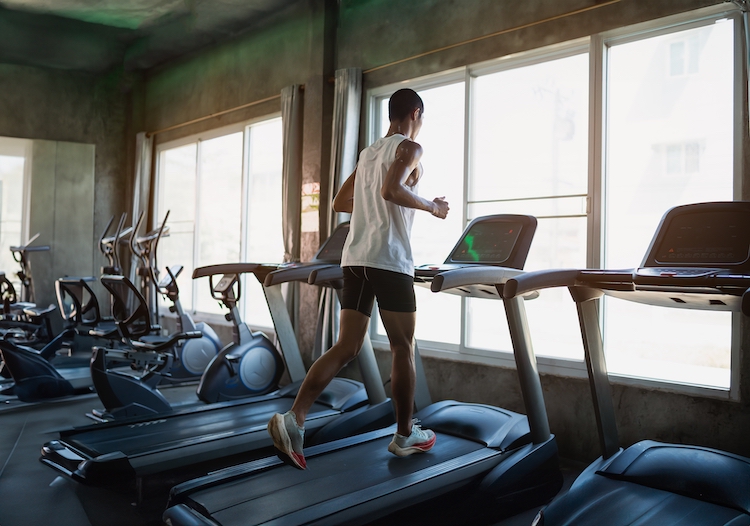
(223, 193)
(670, 123)
(596, 138)
(13, 165)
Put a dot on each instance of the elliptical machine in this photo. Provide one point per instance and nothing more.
(192, 356)
(131, 394)
(108, 245)
(22, 320)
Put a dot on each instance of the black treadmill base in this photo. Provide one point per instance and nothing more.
(470, 505)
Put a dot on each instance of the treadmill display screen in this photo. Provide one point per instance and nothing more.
(706, 238)
(487, 242)
(334, 246)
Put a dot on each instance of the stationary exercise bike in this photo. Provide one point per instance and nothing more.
(249, 366)
(191, 356)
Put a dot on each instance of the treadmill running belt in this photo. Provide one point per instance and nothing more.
(366, 475)
(169, 437)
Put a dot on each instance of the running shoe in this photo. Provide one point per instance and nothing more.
(420, 441)
(288, 437)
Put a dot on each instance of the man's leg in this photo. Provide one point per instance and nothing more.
(287, 430)
(353, 327)
(400, 329)
(408, 438)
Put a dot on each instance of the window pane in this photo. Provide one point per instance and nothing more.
(265, 243)
(529, 131)
(683, 346)
(177, 168)
(670, 142)
(529, 156)
(219, 204)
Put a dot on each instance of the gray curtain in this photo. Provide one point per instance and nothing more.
(347, 104)
(291, 118)
(141, 186)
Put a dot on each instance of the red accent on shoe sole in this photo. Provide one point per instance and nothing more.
(299, 460)
(426, 446)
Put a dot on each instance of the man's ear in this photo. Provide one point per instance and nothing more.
(415, 114)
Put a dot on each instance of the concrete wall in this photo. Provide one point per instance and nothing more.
(62, 212)
(292, 48)
(56, 105)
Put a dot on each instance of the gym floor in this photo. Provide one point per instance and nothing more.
(33, 494)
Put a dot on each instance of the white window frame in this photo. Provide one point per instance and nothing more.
(244, 226)
(596, 46)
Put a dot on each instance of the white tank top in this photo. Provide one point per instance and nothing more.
(380, 230)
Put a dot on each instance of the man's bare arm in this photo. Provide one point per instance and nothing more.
(344, 200)
(395, 189)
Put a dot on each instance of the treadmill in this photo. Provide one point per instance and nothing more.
(486, 460)
(147, 456)
(699, 258)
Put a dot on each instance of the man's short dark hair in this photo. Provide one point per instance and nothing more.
(402, 103)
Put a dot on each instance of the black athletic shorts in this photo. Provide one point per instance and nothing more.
(395, 291)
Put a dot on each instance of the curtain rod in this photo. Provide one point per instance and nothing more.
(217, 114)
(491, 35)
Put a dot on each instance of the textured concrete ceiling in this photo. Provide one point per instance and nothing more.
(98, 35)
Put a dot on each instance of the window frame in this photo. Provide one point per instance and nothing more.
(245, 227)
(596, 46)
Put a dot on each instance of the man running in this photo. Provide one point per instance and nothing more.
(377, 261)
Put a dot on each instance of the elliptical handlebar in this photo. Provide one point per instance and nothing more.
(19, 252)
(145, 247)
(102, 238)
(168, 284)
(19, 255)
(108, 244)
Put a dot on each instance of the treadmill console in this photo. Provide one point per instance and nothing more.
(700, 240)
(501, 240)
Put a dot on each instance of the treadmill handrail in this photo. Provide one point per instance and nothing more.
(225, 268)
(327, 275)
(299, 272)
(540, 279)
(472, 275)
